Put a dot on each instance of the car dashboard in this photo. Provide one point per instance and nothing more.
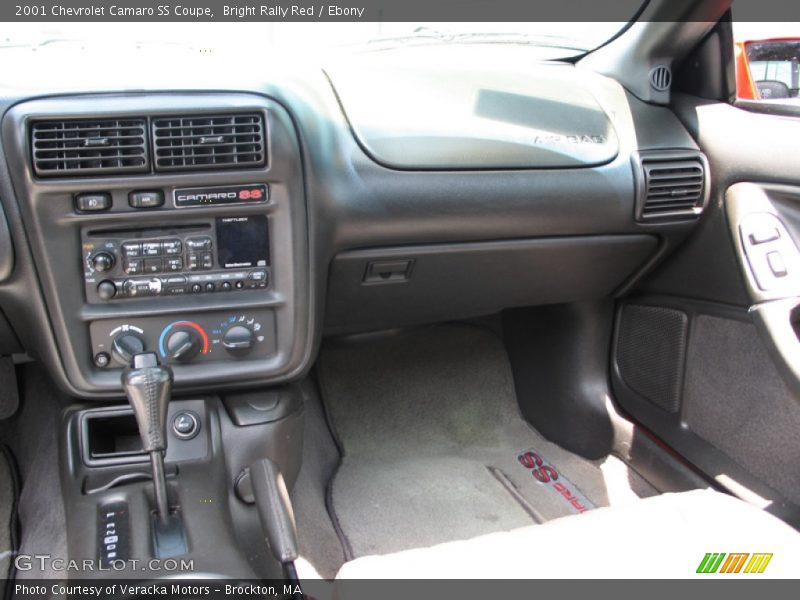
(231, 230)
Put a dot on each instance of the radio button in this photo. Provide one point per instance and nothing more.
(171, 247)
(153, 265)
(176, 280)
(197, 288)
(174, 264)
(142, 287)
(102, 262)
(151, 248)
(226, 286)
(106, 290)
(131, 249)
(259, 275)
(134, 266)
(198, 244)
(210, 287)
(154, 286)
(239, 285)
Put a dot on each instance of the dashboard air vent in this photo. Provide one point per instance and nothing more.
(209, 142)
(671, 184)
(73, 148)
(661, 78)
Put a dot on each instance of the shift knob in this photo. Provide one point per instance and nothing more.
(148, 387)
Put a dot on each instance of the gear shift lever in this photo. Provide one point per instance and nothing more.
(148, 387)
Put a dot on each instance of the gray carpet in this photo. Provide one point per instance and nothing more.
(430, 431)
(321, 552)
(8, 500)
(32, 436)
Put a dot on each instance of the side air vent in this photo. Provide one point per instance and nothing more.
(670, 184)
(74, 148)
(209, 142)
(660, 78)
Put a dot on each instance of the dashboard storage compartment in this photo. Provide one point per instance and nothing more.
(111, 436)
(452, 281)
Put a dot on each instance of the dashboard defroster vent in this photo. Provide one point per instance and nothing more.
(670, 184)
(661, 78)
(197, 142)
(73, 148)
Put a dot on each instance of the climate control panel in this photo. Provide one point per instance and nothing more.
(200, 338)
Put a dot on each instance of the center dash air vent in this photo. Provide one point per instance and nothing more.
(209, 142)
(671, 184)
(72, 148)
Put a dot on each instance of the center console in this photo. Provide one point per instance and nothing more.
(223, 255)
(211, 444)
(167, 223)
(170, 240)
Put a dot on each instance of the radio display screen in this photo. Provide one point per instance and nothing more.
(243, 242)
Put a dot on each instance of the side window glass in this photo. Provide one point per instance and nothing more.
(767, 68)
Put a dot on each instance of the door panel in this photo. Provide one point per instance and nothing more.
(736, 400)
(763, 222)
(706, 352)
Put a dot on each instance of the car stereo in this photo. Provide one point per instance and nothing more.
(221, 254)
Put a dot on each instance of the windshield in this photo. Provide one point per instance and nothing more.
(69, 56)
(306, 39)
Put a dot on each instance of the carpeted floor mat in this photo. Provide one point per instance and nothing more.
(32, 436)
(318, 543)
(434, 447)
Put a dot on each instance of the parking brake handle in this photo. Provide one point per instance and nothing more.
(274, 510)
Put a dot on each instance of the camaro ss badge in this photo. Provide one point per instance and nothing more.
(546, 474)
(227, 194)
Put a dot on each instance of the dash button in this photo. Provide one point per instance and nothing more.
(93, 202)
(185, 425)
(148, 199)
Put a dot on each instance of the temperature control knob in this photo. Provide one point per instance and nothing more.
(183, 345)
(102, 262)
(125, 346)
(238, 340)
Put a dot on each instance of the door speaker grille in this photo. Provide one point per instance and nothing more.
(651, 346)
